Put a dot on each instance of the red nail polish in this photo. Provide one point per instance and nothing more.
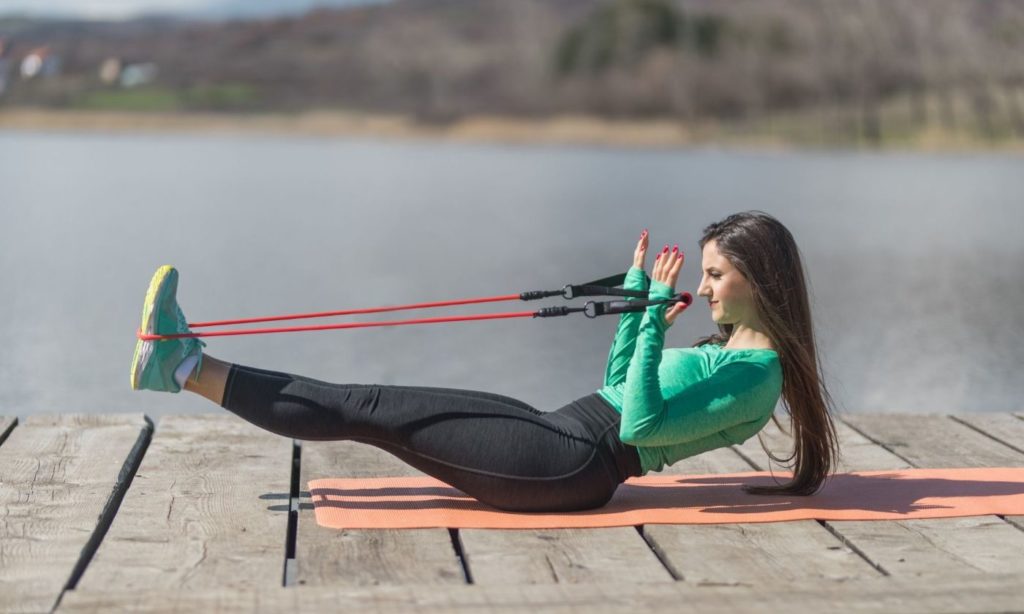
(675, 248)
(665, 251)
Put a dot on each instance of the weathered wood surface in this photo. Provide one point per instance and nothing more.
(750, 552)
(986, 543)
(1007, 429)
(60, 479)
(970, 593)
(208, 512)
(548, 556)
(197, 513)
(936, 547)
(389, 556)
(933, 440)
(594, 555)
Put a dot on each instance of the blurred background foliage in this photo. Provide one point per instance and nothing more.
(816, 71)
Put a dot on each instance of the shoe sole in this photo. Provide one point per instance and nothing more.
(143, 349)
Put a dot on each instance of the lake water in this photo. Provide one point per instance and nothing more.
(915, 261)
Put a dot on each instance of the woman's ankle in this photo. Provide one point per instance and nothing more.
(210, 379)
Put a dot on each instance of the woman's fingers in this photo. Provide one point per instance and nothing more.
(667, 266)
(666, 270)
(659, 264)
(663, 264)
(641, 250)
(677, 264)
(673, 312)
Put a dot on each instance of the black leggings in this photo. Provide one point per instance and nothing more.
(494, 448)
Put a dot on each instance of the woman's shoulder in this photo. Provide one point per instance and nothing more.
(717, 347)
(763, 363)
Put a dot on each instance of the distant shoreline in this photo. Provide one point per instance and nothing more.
(560, 130)
(567, 130)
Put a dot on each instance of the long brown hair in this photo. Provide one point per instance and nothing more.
(764, 252)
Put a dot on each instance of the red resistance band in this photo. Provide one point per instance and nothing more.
(591, 309)
(324, 314)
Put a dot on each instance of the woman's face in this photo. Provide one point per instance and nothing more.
(728, 292)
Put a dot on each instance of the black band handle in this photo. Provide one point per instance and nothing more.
(533, 295)
(593, 308)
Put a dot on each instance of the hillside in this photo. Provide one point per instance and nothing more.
(831, 70)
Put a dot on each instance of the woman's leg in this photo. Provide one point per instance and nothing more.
(499, 450)
(214, 374)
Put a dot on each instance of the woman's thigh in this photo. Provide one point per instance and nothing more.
(507, 457)
(504, 454)
(589, 486)
(476, 394)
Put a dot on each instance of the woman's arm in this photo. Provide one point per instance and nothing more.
(625, 334)
(644, 409)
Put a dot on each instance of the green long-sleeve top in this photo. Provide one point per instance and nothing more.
(679, 402)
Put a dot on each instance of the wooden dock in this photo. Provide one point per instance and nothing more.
(207, 513)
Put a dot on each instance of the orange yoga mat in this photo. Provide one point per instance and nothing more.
(424, 502)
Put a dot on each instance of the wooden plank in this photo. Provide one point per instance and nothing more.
(392, 556)
(933, 440)
(937, 546)
(914, 547)
(876, 541)
(1007, 429)
(560, 555)
(749, 552)
(897, 547)
(857, 453)
(6, 426)
(196, 515)
(970, 593)
(61, 478)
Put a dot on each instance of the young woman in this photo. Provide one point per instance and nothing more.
(656, 405)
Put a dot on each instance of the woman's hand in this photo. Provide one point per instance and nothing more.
(666, 270)
(641, 250)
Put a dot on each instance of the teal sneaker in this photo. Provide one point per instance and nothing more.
(155, 361)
